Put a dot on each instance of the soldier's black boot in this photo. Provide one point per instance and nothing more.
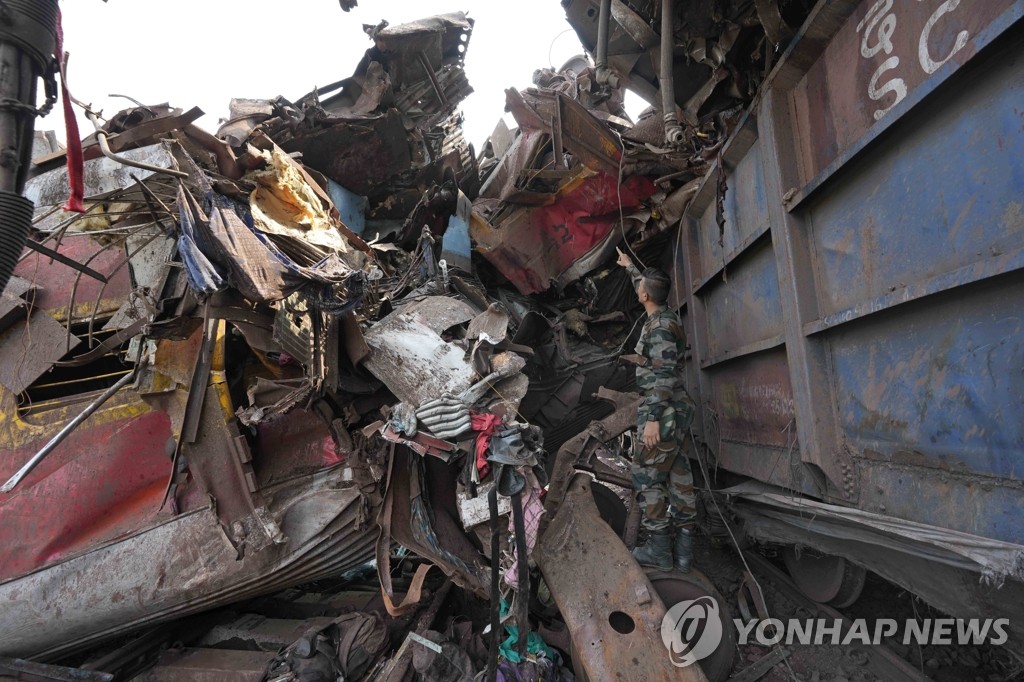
(656, 552)
(683, 549)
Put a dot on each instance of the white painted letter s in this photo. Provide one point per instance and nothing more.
(896, 85)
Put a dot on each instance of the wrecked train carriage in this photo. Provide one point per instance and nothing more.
(848, 269)
(389, 132)
(199, 311)
(159, 504)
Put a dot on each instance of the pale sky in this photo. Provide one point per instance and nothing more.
(204, 52)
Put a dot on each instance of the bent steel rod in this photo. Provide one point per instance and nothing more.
(64, 433)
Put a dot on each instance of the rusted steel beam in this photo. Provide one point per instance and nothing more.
(813, 395)
(610, 607)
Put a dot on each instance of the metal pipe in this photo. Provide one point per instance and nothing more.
(604, 74)
(603, 16)
(64, 433)
(666, 77)
(101, 137)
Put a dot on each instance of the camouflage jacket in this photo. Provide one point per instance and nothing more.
(662, 344)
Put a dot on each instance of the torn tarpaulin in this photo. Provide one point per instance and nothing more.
(203, 276)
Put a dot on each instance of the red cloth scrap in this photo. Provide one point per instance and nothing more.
(485, 425)
(74, 149)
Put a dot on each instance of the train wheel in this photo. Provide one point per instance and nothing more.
(825, 579)
(609, 506)
(675, 587)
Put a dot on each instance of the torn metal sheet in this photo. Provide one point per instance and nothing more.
(579, 452)
(209, 664)
(501, 183)
(269, 399)
(413, 361)
(101, 176)
(474, 511)
(253, 269)
(361, 155)
(612, 611)
(404, 518)
(509, 394)
(351, 206)
(31, 348)
(18, 669)
(243, 115)
(570, 124)
(184, 565)
(15, 301)
(490, 326)
(150, 267)
(441, 36)
(456, 248)
(532, 247)
(993, 559)
(409, 355)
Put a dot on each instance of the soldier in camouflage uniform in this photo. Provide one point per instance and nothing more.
(661, 471)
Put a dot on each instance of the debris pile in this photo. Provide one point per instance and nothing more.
(331, 329)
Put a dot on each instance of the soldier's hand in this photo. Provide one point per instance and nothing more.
(623, 260)
(652, 435)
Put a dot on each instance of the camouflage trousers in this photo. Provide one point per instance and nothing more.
(661, 475)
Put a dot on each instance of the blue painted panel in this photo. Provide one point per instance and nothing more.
(456, 248)
(745, 307)
(745, 210)
(940, 191)
(745, 203)
(936, 498)
(939, 384)
(350, 205)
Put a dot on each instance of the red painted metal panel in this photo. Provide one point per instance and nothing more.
(532, 248)
(102, 484)
(58, 280)
(295, 445)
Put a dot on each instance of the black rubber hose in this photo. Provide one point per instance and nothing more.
(32, 26)
(28, 31)
(604, 13)
(15, 221)
(492, 656)
(523, 575)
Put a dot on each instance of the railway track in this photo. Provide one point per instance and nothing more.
(285, 636)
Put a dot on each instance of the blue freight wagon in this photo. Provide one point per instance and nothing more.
(856, 321)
